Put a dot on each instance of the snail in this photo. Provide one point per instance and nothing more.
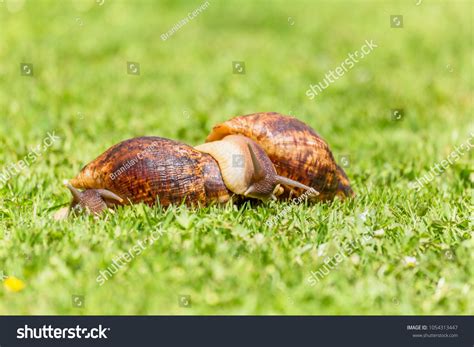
(295, 149)
(151, 169)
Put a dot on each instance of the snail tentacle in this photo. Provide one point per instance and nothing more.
(292, 183)
(108, 195)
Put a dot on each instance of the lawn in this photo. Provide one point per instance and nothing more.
(403, 108)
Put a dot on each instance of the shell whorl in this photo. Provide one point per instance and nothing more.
(147, 169)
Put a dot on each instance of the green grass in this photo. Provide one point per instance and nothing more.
(226, 258)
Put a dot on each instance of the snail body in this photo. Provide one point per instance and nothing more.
(294, 148)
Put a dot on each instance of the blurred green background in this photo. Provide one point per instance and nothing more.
(226, 259)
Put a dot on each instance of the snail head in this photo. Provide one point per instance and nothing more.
(265, 181)
(93, 201)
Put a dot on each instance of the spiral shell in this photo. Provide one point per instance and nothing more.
(147, 169)
(295, 149)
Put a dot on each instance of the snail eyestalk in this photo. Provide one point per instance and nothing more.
(76, 194)
(108, 195)
(263, 182)
(258, 171)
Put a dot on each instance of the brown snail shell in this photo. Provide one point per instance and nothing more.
(147, 169)
(295, 149)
